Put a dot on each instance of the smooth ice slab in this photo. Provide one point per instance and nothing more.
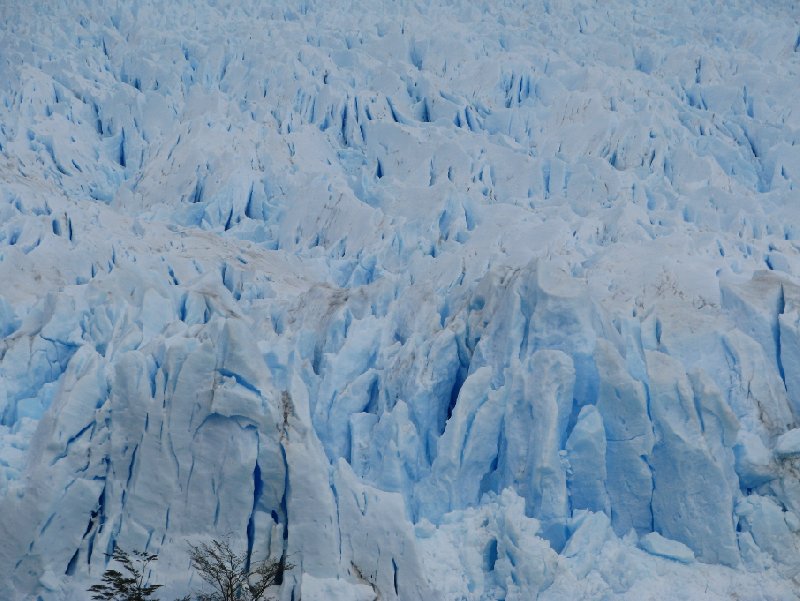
(655, 544)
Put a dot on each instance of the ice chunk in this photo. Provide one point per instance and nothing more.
(622, 403)
(655, 544)
(539, 403)
(766, 521)
(788, 444)
(590, 531)
(586, 451)
(9, 321)
(379, 539)
(753, 460)
(692, 501)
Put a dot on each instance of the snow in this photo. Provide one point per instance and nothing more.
(438, 301)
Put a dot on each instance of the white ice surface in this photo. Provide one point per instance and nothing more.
(458, 301)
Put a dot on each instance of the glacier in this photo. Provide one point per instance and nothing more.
(440, 301)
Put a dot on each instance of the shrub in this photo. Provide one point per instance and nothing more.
(231, 576)
(129, 586)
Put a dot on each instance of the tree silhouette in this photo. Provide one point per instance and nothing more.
(230, 575)
(130, 586)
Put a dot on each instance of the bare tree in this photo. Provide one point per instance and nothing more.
(229, 574)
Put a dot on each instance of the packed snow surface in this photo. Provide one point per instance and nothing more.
(461, 301)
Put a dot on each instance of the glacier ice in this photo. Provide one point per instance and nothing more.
(438, 300)
(658, 545)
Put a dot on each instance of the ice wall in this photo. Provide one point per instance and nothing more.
(448, 301)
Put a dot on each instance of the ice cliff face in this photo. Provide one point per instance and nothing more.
(441, 302)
